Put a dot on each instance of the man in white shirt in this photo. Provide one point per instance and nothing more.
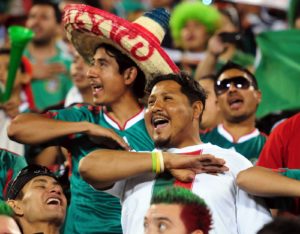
(174, 111)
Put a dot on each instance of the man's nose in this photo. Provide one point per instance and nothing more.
(91, 73)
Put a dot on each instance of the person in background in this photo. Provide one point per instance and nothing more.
(19, 101)
(10, 165)
(38, 201)
(81, 91)
(7, 223)
(227, 43)
(212, 115)
(191, 31)
(238, 97)
(177, 210)
(280, 151)
(50, 79)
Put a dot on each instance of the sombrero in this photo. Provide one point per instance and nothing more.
(88, 27)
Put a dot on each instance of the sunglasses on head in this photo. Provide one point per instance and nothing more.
(239, 82)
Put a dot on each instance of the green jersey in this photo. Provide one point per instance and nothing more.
(249, 145)
(10, 165)
(53, 90)
(94, 211)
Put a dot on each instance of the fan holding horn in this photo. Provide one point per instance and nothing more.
(15, 74)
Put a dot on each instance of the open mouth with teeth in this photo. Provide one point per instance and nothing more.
(54, 201)
(159, 122)
(97, 88)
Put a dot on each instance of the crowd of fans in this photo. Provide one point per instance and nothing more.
(116, 105)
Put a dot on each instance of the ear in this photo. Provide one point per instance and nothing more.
(197, 109)
(258, 96)
(16, 206)
(130, 75)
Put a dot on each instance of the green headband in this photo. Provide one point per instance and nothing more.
(206, 15)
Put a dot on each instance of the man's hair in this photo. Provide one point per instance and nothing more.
(6, 210)
(282, 225)
(189, 87)
(195, 213)
(125, 62)
(23, 177)
(231, 65)
(53, 4)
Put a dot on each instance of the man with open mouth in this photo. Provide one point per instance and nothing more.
(38, 201)
(173, 115)
(238, 97)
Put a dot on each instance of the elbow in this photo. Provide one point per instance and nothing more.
(241, 179)
(12, 130)
(89, 172)
(85, 170)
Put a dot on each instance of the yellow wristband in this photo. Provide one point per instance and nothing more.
(154, 161)
(157, 163)
(161, 161)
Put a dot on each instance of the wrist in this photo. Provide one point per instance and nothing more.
(214, 55)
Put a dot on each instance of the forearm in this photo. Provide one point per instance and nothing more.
(36, 129)
(102, 168)
(207, 66)
(264, 182)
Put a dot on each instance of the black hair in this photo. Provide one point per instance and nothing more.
(231, 65)
(53, 4)
(6, 51)
(189, 87)
(125, 62)
(281, 225)
(24, 176)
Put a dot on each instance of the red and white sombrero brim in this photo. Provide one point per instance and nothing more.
(88, 27)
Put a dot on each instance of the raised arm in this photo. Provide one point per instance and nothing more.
(36, 129)
(102, 168)
(262, 181)
(208, 65)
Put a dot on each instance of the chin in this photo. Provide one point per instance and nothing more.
(161, 143)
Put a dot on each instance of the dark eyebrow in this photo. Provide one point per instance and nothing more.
(163, 219)
(100, 60)
(41, 180)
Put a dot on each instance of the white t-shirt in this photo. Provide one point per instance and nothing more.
(73, 96)
(233, 210)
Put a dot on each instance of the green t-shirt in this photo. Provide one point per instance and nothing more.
(94, 211)
(52, 91)
(249, 146)
(10, 165)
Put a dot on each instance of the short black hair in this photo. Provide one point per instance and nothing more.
(189, 87)
(281, 225)
(53, 4)
(24, 176)
(231, 65)
(125, 62)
